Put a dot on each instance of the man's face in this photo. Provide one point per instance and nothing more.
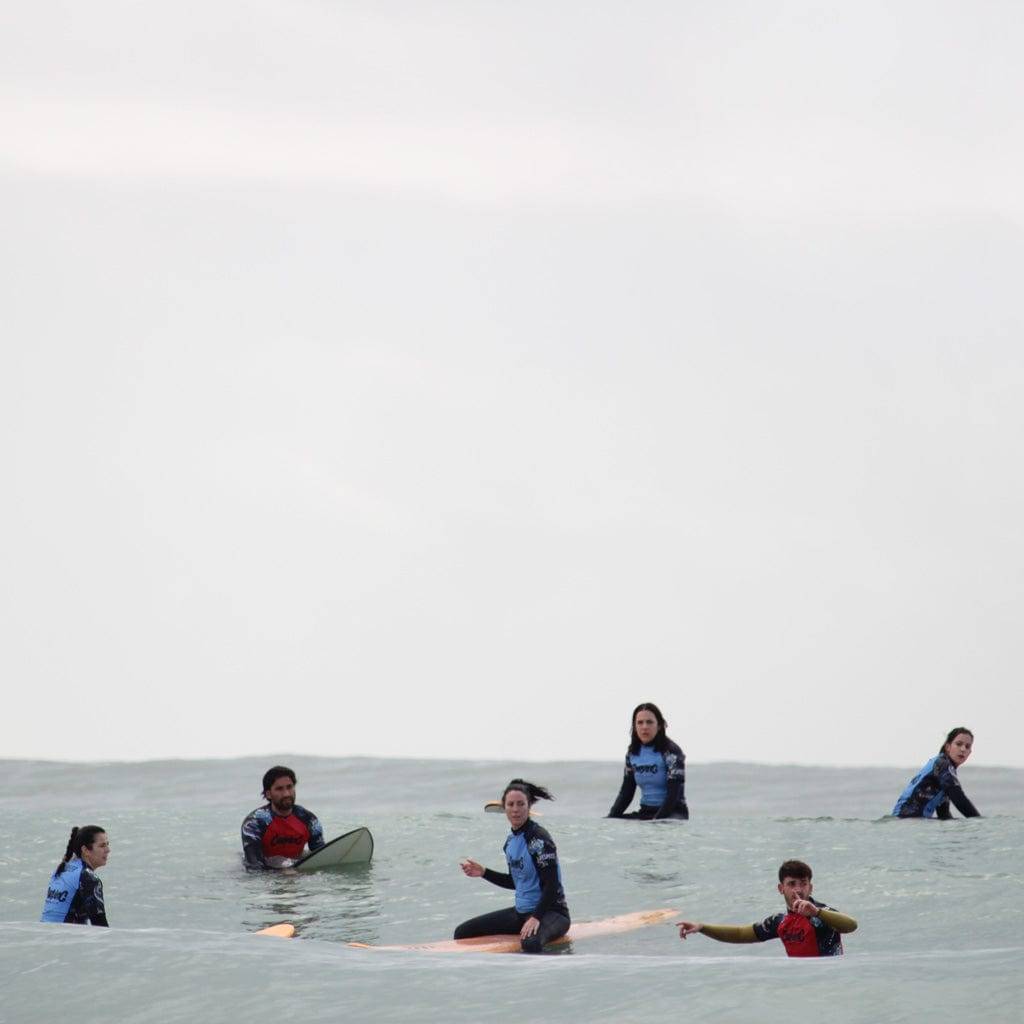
(793, 889)
(281, 795)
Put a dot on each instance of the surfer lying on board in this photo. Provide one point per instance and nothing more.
(930, 792)
(808, 928)
(275, 834)
(540, 913)
(75, 894)
(656, 765)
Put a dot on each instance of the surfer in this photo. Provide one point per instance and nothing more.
(75, 893)
(657, 765)
(540, 913)
(930, 792)
(808, 928)
(275, 834)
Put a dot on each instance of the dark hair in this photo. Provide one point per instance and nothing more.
(533, 793)
(84, 836)
(794, 869)
(660, 742)
(271, 775)
(953, 733)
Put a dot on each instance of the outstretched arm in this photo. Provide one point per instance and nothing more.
(721, 932)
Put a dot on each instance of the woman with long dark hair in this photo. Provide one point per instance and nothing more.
(75, 894)
(540, 913)
(930, 792)
(656, 765)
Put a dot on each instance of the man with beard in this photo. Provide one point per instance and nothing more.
(275, 834)
(808, 928)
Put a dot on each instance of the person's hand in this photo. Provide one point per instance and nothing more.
(530, 927)
(805, 908)
(688, 928)
(471, 868)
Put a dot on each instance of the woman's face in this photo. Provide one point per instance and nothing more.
(96, 855)
(517, 808)
(646, 726)
(958, 749)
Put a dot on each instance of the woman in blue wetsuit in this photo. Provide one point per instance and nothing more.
(75, 894)
(540, 913)
(657, 766)
(930, 792)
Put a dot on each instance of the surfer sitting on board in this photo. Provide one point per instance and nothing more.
(75, 894)
(540, 913)
(808, 928)
(930, 792)
(656, 765)
(275, 834)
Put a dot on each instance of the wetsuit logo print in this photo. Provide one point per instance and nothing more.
(57, 894)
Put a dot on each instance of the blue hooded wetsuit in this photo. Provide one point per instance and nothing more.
(75, 896)
(661, 776)
(930, 791)
(534, 873)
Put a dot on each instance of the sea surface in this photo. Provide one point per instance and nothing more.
(940, 904)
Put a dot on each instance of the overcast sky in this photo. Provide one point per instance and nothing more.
(445, 379)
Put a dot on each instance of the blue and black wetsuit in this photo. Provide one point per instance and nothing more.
(534, 873)
(75, 896)
(661, 776)
(270, 840)
(930, 792)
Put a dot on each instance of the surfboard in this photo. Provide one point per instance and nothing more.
(355, 847)
(510, 943)
(279, 931)
(497, 807)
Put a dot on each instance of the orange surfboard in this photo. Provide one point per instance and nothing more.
(280, 931)
(510, 943)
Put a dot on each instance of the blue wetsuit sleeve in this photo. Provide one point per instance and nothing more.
(252, 840)
(499, 878)
(626, 791)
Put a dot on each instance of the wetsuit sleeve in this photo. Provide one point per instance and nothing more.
(942, 812)
(959, 800)
(252, 841)
(310, 820)
(767, 929)
(675, 772)
(546, 863)
(842, 923)
(732, 932)
(92, 907)
(626, 791)
(499, 878)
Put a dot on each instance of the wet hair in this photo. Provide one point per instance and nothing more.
(660, 742)
(271, 775)
(533, 793)
(794, 869)
(84, 836)
(953, 733)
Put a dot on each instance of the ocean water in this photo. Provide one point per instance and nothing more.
(940, 904)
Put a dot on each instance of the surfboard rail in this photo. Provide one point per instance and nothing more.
(354, 847)
(510, 943)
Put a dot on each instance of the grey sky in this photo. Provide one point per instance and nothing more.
(444, 380)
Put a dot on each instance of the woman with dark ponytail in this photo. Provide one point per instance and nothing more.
(75, 894)
(930, 792)
(656, 765)
(540, 914)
